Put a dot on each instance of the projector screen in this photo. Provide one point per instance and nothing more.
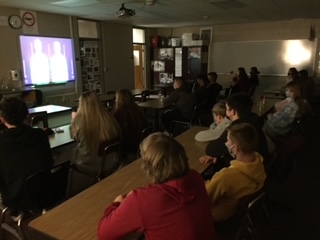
(47, 60)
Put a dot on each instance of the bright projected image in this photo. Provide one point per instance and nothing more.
(297, 53)
(47, 60)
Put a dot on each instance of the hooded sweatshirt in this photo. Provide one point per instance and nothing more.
(217, 148)
(229, 185)
(177, 209)
(23, 152)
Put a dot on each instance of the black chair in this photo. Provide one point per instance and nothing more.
(104, 151)
(177, 127)
(145, 133)
(243, 221)
(253, 206)
(44, 190)
(145, 95)
(35, 118)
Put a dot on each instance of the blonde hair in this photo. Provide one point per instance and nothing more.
(163, 158)
(245, 136)
(303, 106)
(219, 109)
(95, 122)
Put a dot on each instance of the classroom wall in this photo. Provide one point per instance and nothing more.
(118, 56)
(117, 51)
(277, 30)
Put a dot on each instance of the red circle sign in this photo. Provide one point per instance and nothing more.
(28, 19)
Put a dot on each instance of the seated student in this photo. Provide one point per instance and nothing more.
(214, 88)
(23, 151)
(184, 102)
(307, 86)
(217, 127)
(240, 82)
(239, 111)
(281, 122)
(132, 121)
(93, 126)
(245, 175)
(174, 206)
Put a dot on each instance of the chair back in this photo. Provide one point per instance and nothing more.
(145, 133)
(48, 187)
(35, 118)
(197, 110)
(113, 148)
(145, 95)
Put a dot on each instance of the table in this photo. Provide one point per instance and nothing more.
(62, 138)
(164, 87)
(156, 105)
(57, 115)
(275, 90)
(78, 217)
(263, 109)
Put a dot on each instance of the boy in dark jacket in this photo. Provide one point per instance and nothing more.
(23, 152)
(239, 108)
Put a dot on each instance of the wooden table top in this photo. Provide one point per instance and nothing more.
(78, 217)
(154, 104)
(62, 138)
(263, 109)
(50, 109)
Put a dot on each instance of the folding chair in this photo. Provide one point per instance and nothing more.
(145, 133)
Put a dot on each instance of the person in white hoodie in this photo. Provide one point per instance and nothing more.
(243, 177)
(221, 122)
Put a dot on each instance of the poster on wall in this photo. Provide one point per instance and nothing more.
(30, 23)
(90, 67)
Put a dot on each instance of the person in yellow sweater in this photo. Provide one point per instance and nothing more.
(243, 177)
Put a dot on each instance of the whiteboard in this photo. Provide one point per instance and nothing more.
(270, 57)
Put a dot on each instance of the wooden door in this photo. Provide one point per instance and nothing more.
(138, 66)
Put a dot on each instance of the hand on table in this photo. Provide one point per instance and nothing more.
(208, 159)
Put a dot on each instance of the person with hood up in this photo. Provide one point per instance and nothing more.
(174, 206)
(23, 151)
(239, 108)
(244, 177)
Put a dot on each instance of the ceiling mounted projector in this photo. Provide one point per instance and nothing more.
(125, 12)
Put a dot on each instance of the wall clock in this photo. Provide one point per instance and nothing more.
(15, 21)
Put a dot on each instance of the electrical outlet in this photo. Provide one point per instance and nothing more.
(15, 75)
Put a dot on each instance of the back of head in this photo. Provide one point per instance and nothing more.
(213, 76)
(13, 110)
(97, 124)
(245, 136)
(219, 109)
(242, 72)
(163, 158)
(293, 73)
(303, 74)
(241, 103)
(178, 82)
(254, 71)
(124, 99)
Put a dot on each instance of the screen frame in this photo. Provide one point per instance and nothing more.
(73, 57)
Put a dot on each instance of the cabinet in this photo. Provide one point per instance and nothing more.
(170, 62)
